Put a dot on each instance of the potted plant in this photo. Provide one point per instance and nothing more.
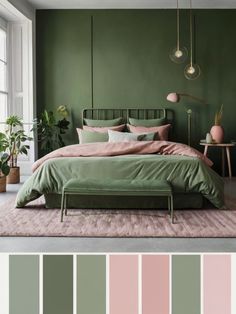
(4, 168)
(16, 138)
(4, 171)
(50, 130)
(217, 131)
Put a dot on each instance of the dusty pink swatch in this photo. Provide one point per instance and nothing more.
(155, 284)
(123, 284)
(217, 284)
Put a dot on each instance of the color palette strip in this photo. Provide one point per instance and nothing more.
(118, 283)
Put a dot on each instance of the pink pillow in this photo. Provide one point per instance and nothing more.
(161, 131)
(104, 129)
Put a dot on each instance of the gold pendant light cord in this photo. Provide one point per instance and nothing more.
(191, 34)
(177, 25)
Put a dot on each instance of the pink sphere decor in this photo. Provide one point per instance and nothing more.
(217, 133)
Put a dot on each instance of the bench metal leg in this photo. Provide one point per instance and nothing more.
(172, 209)
(169, 205)
(65, 204)
(62, 205)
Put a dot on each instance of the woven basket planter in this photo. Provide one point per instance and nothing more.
(3, 182)
(14, 176)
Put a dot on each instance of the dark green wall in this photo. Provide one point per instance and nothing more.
(131, 66)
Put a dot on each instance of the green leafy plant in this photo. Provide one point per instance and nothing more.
(50, 130)
(4, 157)
(219, 115)
(3, 142)
(4, 167)
(16, 139)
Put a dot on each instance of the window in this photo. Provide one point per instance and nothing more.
(3, 75)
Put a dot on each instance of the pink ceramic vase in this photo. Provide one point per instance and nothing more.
(217, 133)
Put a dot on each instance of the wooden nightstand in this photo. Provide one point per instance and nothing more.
(225, 147)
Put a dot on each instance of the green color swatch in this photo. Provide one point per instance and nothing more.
(186, 284)
(58, 284)
(91, 284)
(23, 284)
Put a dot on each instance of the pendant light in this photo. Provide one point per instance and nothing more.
(178, 54)
(192, 71)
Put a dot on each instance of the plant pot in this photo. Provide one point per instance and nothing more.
(14, 176)
(217, 133)
(3, 183)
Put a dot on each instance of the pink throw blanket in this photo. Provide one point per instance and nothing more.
(123, 148)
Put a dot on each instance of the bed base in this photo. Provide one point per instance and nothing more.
(181, 201)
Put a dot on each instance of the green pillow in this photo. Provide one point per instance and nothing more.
(148, 137)
(103, 123)
(91, 137)
(147, 122)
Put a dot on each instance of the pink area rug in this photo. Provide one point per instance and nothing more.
(35, 220)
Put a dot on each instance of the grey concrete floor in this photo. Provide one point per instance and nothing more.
(60, 244)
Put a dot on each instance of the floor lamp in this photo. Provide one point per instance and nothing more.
(175, 98)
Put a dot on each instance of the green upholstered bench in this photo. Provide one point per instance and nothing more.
(122, 187)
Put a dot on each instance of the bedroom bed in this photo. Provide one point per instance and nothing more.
(192, 179)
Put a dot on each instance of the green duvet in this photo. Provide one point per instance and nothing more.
(186, 174)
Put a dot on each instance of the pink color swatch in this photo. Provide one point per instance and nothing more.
(123, 284)
(155, 284)
(217, 284)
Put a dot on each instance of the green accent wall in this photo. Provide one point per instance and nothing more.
(131, 65)
(23, 284)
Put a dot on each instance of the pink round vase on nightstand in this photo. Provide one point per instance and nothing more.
(217, 133)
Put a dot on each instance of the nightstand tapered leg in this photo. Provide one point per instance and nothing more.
(205, 150)
(229, 161)
(223, 161)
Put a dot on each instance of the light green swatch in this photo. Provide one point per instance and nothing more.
(58, 284)
(23, 284)
(91, 284)
(186, 284)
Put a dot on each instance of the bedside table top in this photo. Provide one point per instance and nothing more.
(219, 145)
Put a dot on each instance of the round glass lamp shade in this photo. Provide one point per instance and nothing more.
(192, 71)
(179, 55)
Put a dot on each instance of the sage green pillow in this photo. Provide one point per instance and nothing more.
(103, 123)
(147, 122)
(91, 137)
(148, 136)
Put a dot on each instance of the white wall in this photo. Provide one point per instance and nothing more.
(24, 7)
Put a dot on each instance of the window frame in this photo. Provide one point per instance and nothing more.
(4, 27)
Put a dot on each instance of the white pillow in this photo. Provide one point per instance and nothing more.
(115, 136)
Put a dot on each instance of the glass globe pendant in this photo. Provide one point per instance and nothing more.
(192, 71)
(178, 54)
